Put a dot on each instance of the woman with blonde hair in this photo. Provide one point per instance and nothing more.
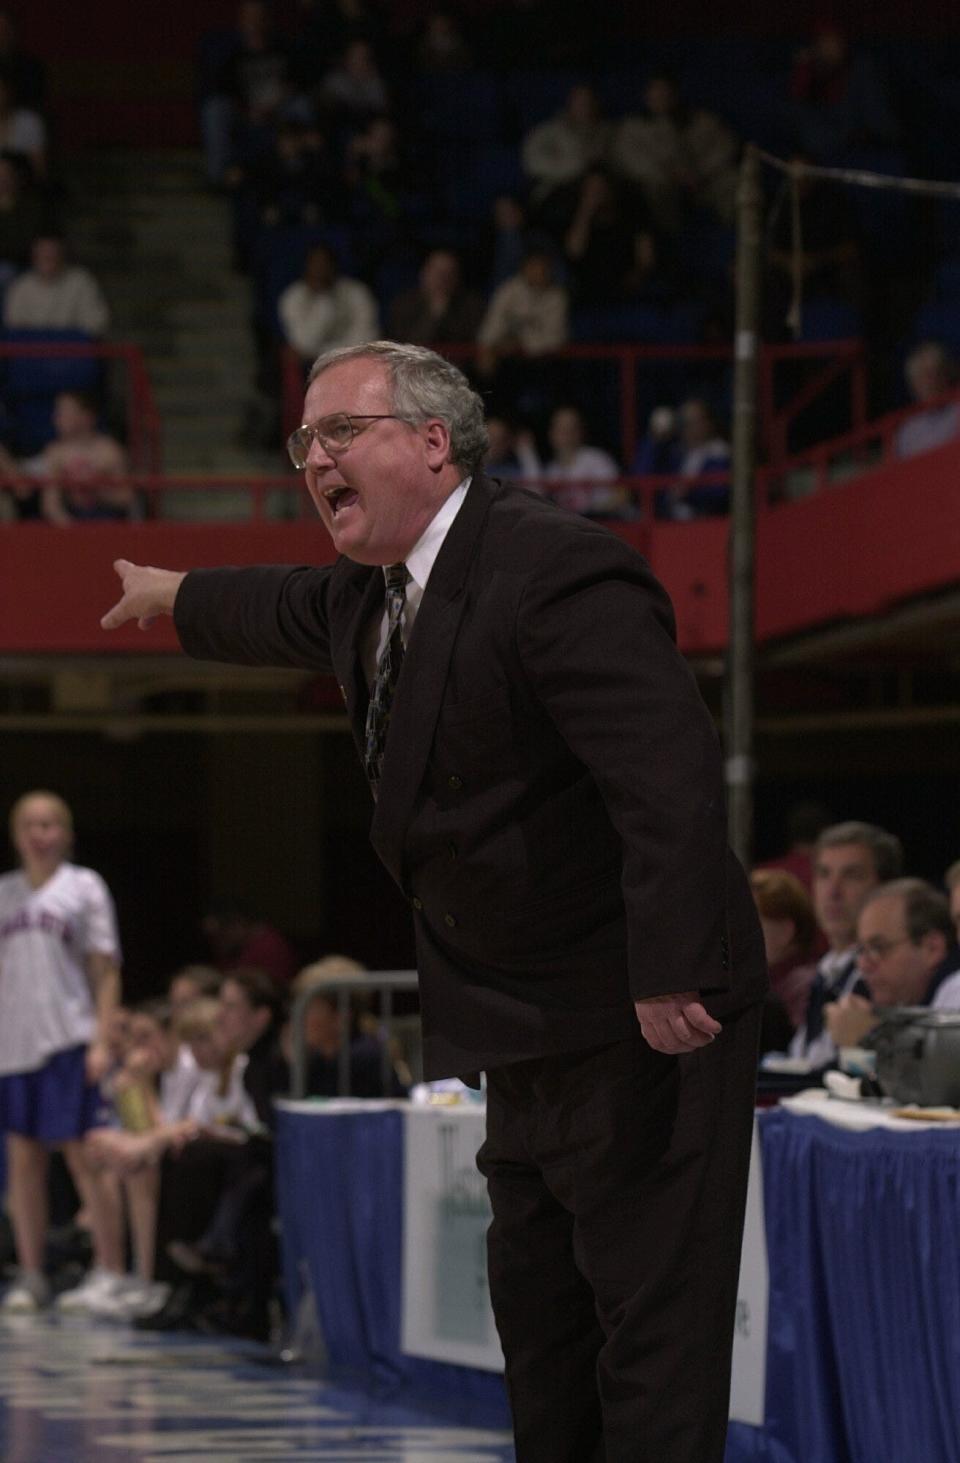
(59, 989)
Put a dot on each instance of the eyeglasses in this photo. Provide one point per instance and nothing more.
(878, 948)
(335, 434)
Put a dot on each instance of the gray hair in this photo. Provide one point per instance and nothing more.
(424, 386)
(886, 848)
(925, 910)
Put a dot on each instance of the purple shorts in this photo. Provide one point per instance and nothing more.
(55, 1103)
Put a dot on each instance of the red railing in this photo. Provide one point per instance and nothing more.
(839, 357)
(143, 421)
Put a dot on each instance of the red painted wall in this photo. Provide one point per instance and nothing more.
(851, 551)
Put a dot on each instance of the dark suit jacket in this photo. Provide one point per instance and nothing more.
(551, 801)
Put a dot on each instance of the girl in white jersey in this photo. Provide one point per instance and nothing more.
(59, 985)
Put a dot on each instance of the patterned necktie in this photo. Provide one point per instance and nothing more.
(388, 672)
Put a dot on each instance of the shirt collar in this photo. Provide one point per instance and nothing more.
(421, 557)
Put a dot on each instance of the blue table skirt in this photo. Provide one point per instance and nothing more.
(340, 1201)
(863, 1237)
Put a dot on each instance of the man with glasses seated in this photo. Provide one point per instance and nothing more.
(905, 953)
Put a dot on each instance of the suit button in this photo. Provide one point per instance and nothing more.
(455, 782)
(450, 921)
(452, 851)
(417, 903)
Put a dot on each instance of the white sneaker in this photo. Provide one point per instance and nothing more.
(27, 1295)
(98, 1283)
(135, 1299)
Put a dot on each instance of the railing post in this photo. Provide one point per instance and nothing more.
(739, 717)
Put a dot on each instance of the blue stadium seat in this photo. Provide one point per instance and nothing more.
(30, 384)
(826, 318)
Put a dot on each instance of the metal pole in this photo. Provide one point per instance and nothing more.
(738, 718)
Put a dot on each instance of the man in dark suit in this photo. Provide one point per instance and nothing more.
(549, 798)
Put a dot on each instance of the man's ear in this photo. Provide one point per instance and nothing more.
(437, 438)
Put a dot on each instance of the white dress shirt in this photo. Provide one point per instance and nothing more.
(419, 562)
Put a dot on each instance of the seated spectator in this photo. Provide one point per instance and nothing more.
(789, 933)
(354, 89)
(22, 132)
(839, 100)
(440, 309)
(507, 239)
(55, 295)
(192, 983)
(238, 940)
(324, 309)
(376, 171)
(556, 153)
(22, 216)
(702, 451)
(82, 470)
(906, 954)
(679, 156)
(931, 372)
(442, 49)
(294, 180)
(527, 315)
(151, 1093)
(582, 478)
(250, 93)
(21, 69)
(324, 1035)
(952, 880)
(849, 861)
(231, 1183)
(510, 453)
(599, 243)
(658, 451)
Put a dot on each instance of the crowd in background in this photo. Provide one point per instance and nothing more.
(463, 179)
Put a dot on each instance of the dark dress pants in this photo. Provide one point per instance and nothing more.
(618, 1177)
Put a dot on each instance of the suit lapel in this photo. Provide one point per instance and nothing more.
(367, 589)
(423, 678)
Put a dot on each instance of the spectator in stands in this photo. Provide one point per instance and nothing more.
(82, 471)
(152, 1094)
(599, 243)
(324, 1037)
(442, 49)
(507, 239)
(440, 310)
(295, 180)
(702, 451)
(582, 478)
(238, 940)
(354, 89)
(680, 157)
(380, 194)
(510, 453)
(20, 69)
(850, 860)
(952, 880)
(192, 983)
(931, 372)
(22, 216)
(556, 153)
(839, 100)
(527, 315)
(324, 309)
(907, 955)
(55, 295)
(789, 933)
(22, 132)
(252, 91)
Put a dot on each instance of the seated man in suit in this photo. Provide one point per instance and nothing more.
(548, 794)
(907, 956)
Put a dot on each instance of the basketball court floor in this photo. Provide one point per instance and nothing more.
(75, 1391)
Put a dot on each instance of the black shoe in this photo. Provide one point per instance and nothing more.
(178, 1313)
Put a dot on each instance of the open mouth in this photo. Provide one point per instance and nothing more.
(340, 497)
